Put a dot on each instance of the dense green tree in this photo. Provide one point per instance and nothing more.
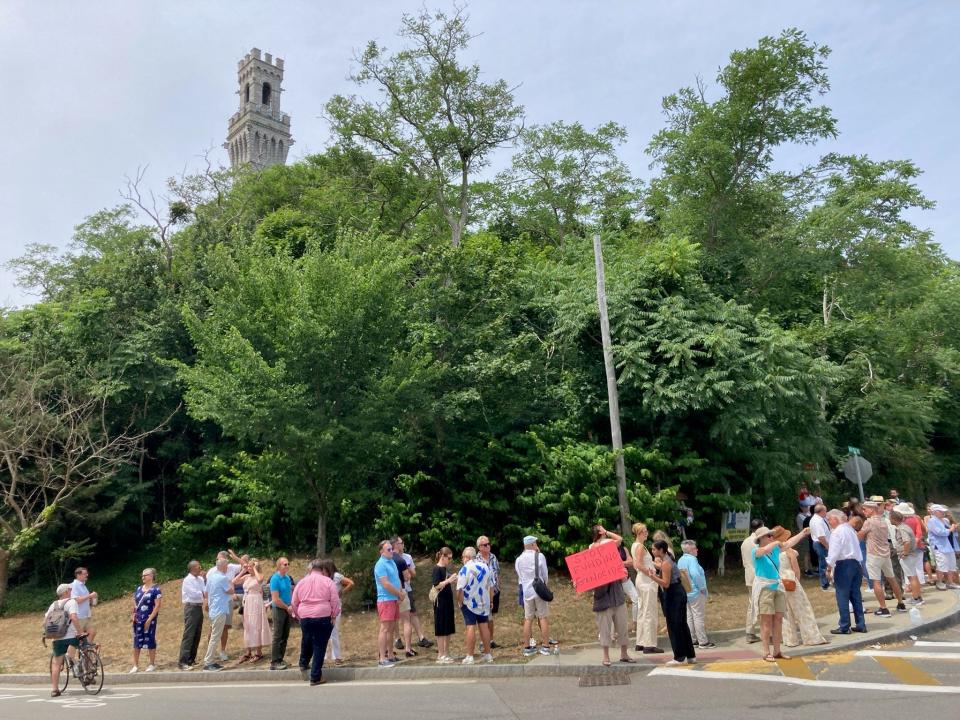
(436, 118)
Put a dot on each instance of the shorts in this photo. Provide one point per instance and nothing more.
(413, 605)
(946, 561)
(535, 607)
(912, 564)
(879, 566)
(771, 602)
(229, 621)
(495, 603)
(388, 610)
(85, 625)
(471, 618)
(60, 646)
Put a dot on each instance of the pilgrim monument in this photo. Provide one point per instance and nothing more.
(259, 134)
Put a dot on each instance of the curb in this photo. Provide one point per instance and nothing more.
(347, 674)
(471, 672)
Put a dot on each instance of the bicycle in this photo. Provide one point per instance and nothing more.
(87, 668)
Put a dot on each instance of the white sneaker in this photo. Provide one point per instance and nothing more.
(151, 668)
(223, 656)
(444, 660)
(487, 658)
(674, 662)
(953, 586)
(133, 670)
(691, 661)
(468, 660)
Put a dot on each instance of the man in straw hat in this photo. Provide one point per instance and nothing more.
(879, 564)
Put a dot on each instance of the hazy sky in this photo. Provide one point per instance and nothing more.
(95, 89)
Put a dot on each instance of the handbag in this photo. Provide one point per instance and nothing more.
(788, 584)
(539, 586)
(433, 594)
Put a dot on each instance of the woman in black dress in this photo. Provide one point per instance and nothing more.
(443, 624)
(673, 600)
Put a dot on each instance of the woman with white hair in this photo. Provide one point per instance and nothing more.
(146, 607)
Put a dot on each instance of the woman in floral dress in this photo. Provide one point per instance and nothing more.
(146, 607)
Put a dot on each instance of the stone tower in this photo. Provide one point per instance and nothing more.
(259, 134)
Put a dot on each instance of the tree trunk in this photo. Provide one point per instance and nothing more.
(321, 533)
(613, 396)
(4, 574)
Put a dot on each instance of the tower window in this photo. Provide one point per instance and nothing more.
(246, 93)
(265, 97)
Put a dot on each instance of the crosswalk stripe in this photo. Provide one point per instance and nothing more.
(840, 684)
(795, 667)
(909, 654)
(906, 671)
(936, 643)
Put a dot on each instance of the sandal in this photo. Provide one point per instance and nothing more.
(628, 660)
(54, 693)
(606, 663)
(769, 658)
(258, 657)
(781, 656)
(244, 658)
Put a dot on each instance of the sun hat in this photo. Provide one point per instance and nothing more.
(871, 503)
(530, 540)
(761, 532)
(904, 509)
(939, 508)
(63, 587)
(876, 498)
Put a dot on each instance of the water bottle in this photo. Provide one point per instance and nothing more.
(915, 617)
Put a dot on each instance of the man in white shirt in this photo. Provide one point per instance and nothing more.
(193, 595)
(843, 565)
(63, 645)
(533, 605)
(84, 598)
(820, 535)
(752, 627)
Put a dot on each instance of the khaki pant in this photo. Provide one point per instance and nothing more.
(697, 618)
(217, 624)
(647, 614)
(752, 626)
(613, 621)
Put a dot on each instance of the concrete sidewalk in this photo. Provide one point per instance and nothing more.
(941, 609)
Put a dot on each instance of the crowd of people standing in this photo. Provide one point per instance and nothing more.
(882, 541)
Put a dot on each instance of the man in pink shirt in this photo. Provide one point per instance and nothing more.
(316, 604)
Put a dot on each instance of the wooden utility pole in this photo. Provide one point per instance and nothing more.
(613, 397)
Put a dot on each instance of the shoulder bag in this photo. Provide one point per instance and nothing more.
(539, 586)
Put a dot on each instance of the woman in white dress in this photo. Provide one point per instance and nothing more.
(647, 605)
(799, 622)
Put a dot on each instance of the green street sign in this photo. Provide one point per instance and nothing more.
(852, 450)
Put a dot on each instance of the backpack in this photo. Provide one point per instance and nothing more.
(57, 620)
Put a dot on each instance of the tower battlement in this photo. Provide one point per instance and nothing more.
(259, 133)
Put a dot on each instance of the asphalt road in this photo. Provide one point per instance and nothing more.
(916, 676)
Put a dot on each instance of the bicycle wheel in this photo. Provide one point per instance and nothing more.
(64, 673)
(91, 671)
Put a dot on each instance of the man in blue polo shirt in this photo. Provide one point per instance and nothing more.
(281, 592)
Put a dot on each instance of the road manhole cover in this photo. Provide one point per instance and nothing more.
(613, 678)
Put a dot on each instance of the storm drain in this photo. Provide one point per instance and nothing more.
(605, 679)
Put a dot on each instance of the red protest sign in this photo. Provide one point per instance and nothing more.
(595, 566)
